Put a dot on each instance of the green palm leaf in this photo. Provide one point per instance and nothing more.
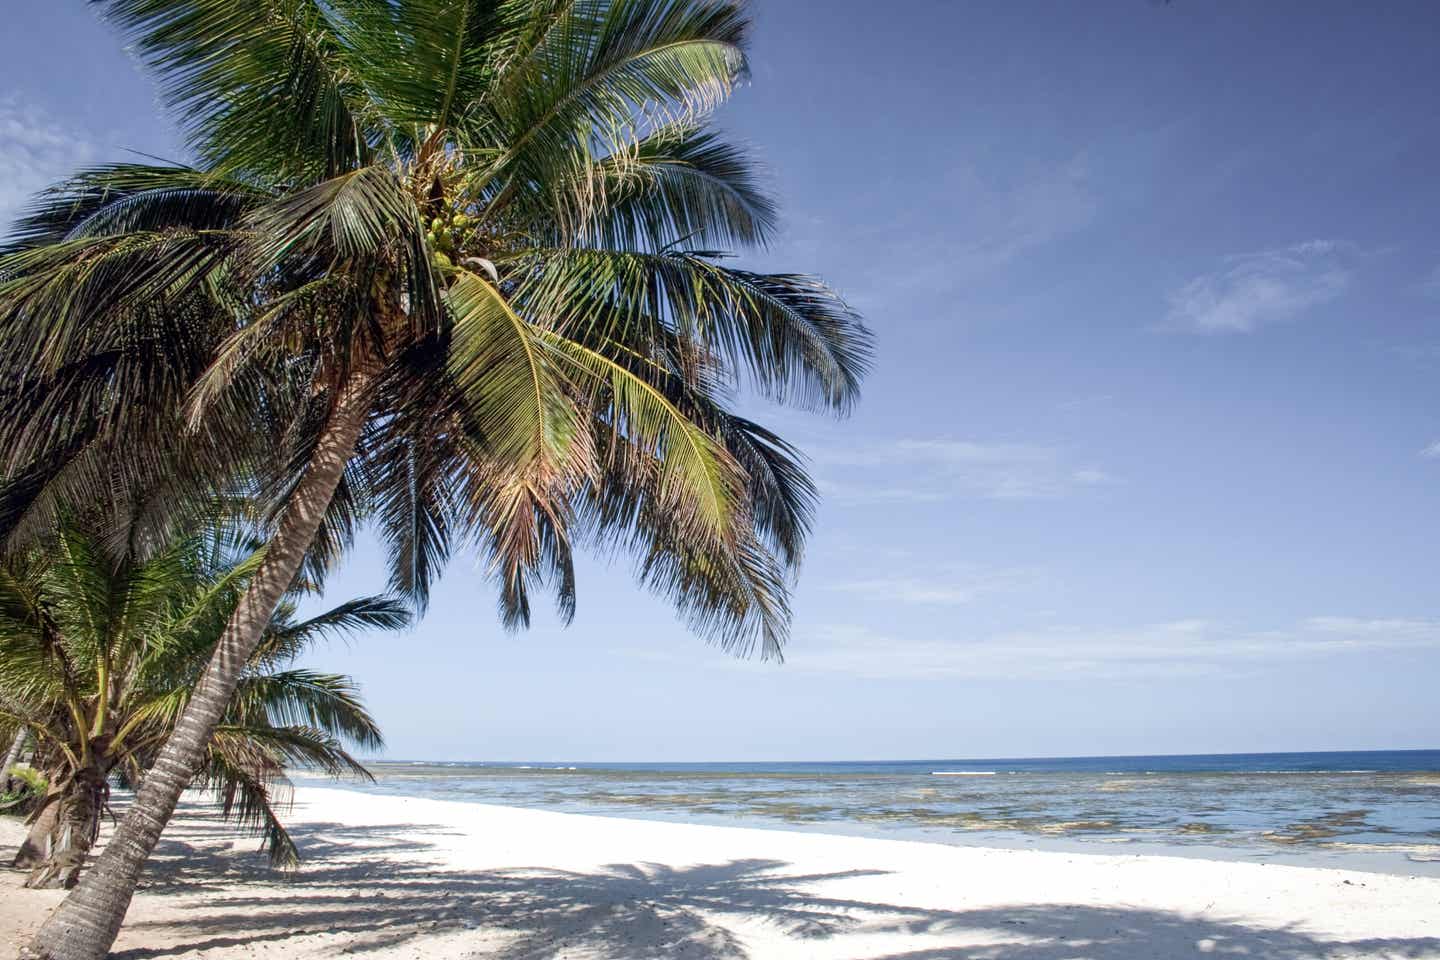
(698, 479)
(794, 336)
(509, 386)
(263, 87)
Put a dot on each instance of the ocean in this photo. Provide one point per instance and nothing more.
(1367, 810)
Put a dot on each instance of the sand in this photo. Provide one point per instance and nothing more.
(389, 877)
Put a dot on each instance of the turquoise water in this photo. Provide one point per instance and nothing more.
(1363, 810)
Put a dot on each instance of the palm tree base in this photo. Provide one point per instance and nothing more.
(60, 872)
(32, 852)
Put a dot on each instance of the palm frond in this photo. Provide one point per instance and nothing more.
(698, 481)
(53, 298)
(423, 62)
(733, 594)
(794, 336)
(784, 497)
(131, 198)
(325, 702)
(682, 184)
(251, 788)
(263, 88)
(295, 746)
(601, 73)
(509, 385)
(283, 642)
(418, 503)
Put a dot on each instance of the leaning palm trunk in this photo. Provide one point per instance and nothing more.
(12, 757)
(85, 925)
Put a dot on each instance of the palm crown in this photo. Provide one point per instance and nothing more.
(503, 214)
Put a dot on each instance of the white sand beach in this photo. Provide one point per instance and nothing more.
(391, 877)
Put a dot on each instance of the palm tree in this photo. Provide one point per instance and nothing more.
(97, 661)
(468, 248)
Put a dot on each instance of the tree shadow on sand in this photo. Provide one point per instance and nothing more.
(374, 887)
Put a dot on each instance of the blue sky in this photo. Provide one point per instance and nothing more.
(1151, 456)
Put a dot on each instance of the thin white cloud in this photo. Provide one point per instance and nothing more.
(1431, 451)
(952, 588)
(943, 469)
(1175, 647)
(1079, 403)
(35, 151)
(992, 220)
(856, 494)
(1256, 289)
(1049, 205)
(1091, 477)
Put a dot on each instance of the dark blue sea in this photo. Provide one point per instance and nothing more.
(1371, 810)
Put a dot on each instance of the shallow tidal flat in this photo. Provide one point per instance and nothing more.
(1372, 819)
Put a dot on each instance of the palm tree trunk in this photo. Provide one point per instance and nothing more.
(85, 924)
(12, 757)
(66, 844)
(32, 851)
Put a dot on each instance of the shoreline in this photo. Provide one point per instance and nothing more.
(1394, 859)
(395, 876)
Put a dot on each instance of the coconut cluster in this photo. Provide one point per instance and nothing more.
(447, 236)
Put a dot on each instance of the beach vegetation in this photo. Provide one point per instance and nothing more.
(99, 655)
(24, 789)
